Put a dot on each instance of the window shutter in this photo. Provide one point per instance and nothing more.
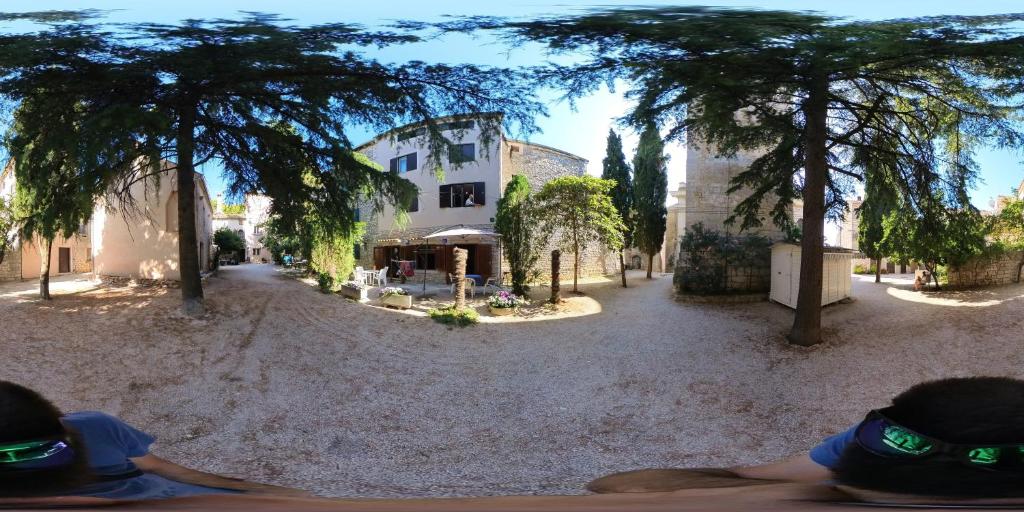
(479, 193)
(412, 161)
(445, 192)
(394, 165)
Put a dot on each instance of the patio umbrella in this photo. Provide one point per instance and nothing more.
(462, 231)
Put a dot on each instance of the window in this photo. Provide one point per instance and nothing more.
(255, 252)
(357, 215)
(461, 195)
(414, 206)
(403, 164)
(258, 230)
(462, 153)
(357, 251)
(457, 125)
(411, 133)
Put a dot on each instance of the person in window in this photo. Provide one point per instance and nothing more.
(945, 441)
(469, 200)
(44, 452)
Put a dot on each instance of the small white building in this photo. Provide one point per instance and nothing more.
(836, 282)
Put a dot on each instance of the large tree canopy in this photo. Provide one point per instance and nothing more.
(815, 96)
(222, 91)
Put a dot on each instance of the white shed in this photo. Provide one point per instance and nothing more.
(836, 281)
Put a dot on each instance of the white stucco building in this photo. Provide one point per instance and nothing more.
(467, 196)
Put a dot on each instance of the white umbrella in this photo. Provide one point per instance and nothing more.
(461, 231)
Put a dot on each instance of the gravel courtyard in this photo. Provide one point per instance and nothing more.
(285, 385)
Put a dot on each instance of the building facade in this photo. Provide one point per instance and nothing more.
(145, 246)
(69, 255)
(474, 178)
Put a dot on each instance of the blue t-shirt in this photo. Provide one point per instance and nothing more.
(828, 452)
(109, 443)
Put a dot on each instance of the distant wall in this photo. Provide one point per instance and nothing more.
(987, 271)
(10, 269)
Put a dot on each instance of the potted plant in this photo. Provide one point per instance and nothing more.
(396, 297)
(504, 303)
(355, 290)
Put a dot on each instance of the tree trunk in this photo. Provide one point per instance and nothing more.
(556, 265)
(188, 243)
(806, 329)
(460, 256)
(650, 265)
(878, 270)
(576, 268)
(622, 268)
(44, 272)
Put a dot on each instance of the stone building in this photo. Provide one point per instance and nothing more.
(849, 228)
(467, 197)
(709, 202)
(69, 255)
(250, 225)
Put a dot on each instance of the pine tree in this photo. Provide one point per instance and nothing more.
(221, 90)
(650, 191)
(616, 169)
(806, 91)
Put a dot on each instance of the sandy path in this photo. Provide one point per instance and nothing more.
(287, 385)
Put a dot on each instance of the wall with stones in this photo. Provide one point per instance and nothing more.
(707, 197)
(10, 269)
(987, 271)
(708, 202)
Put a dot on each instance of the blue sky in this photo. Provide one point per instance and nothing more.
(581, 131)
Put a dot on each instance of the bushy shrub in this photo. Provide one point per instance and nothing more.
(451, 316)
(706, 256)
(325, 281)
(863, 269)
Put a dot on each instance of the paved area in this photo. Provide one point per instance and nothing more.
(286, 385)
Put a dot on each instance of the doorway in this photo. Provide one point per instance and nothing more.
(63, 260)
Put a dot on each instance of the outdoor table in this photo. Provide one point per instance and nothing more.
(479, 279)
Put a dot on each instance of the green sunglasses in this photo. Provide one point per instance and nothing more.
(884, 437)
(13, 453)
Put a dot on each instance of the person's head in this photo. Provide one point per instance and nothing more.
(966, 412)
(38, 456)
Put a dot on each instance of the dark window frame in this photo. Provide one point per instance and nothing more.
(454, 195)
(459, 155)
(411, 161)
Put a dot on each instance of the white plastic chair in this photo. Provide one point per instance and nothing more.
(492, 282)
(381, 278)
(470, 285)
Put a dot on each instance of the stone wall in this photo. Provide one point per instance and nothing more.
(987, 271)
(10, 269)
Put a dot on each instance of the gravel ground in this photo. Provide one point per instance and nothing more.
(289, 386)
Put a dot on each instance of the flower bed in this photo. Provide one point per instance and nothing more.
(504, 303)
(395, 296)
